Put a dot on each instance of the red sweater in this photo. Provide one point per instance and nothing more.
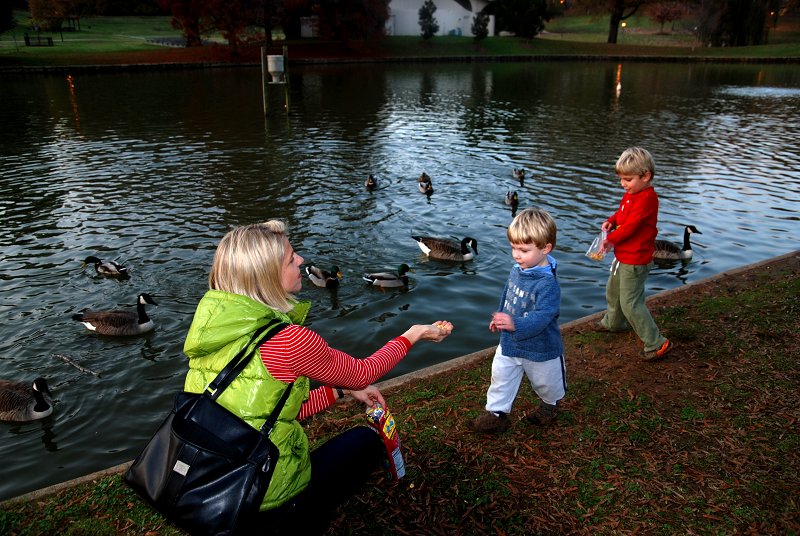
(298, 351)
(634, 227)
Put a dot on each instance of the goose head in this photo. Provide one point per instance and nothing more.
(20, 402)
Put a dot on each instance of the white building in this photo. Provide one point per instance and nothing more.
(451, 15)
(453, 18)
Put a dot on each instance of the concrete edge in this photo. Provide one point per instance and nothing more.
(134, 67)
(426, 373)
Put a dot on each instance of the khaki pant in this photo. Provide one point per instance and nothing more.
(626, 307)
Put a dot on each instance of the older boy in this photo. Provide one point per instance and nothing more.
(632, 233)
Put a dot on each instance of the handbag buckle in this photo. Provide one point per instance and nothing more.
(267, 464)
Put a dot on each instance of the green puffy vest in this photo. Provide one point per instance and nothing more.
(223, 324)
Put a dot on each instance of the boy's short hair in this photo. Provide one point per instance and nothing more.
(533, 226)
(635, 161)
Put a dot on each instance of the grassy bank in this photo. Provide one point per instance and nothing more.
(125, 40)
(703, 442)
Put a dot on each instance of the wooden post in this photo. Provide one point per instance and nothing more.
(266, 79)
(286, 78)
(264, 95)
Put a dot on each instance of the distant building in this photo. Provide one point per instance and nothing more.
(454, 18)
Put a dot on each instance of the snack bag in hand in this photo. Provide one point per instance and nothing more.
(594, 251)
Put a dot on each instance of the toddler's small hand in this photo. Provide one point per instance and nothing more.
(502, 321)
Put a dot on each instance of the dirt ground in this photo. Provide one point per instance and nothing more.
(616, 358)
(700, 442)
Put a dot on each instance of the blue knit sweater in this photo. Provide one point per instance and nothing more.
(532, 297)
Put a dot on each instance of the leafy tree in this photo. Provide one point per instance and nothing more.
(231, 18)
(266, 14)
(427, 22)
(7, 21)
(665, 12)
(47, 15)
(293, 11)
(480, 26)
(525, 18)
(352, 20)
(186, 16)
(733, 22)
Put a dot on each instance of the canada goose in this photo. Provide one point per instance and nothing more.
(20, 402)
(389, 279)
(106, 268)
(371, 183)
(442, 248)
(666, 250)
(519, 174)
(324, 278)
(512, 199)
(119, 322)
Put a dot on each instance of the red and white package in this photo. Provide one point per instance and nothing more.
(384, 424)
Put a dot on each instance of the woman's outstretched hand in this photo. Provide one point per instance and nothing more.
(369, 396)
(436, 332)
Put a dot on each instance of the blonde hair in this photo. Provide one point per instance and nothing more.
(249, 260)
(533, 226)
(635, 161)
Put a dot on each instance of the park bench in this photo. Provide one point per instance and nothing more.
(38, 41)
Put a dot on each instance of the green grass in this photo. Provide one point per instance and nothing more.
(717, 455)
(564, 36)
(97, 34)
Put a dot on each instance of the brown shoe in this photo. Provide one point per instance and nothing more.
(544, 415)
(489, 423)
(654, 355)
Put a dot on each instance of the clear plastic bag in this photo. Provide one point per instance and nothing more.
(594, 252)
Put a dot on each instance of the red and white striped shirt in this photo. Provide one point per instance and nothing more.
(298, 351)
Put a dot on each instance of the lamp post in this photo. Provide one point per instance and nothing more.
(624, 25)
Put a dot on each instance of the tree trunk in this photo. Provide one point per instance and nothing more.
(613, 23)
(267, 22)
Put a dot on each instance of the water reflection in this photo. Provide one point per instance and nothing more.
(153, 168)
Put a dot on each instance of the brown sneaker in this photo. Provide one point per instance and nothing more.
(653, 355)
(489, 423)
(544, 415)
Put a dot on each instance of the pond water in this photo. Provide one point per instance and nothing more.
(153, 168)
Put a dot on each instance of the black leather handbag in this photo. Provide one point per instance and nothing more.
(205, 469)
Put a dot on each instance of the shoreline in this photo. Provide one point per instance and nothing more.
(305, 61)
(440, 369)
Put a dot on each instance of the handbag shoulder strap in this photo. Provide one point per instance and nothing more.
(273, 417)
(239, 362)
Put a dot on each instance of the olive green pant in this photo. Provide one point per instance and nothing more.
(626, 307)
